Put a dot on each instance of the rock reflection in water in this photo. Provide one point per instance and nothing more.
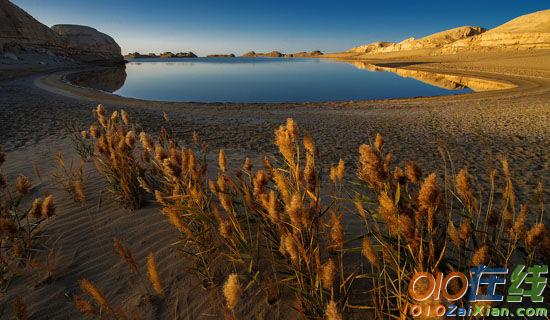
(108, 79)
(445, 81)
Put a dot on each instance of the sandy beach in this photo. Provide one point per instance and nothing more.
(35, 108)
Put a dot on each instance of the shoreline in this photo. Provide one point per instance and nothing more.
(57, 83)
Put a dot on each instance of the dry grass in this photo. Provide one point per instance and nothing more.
(18, 226)
(276, 231)
(70, 178)
(116, 158)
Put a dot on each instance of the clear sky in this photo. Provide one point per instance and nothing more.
(209, 26)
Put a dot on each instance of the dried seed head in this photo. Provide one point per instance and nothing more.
(463, 185)
(328, 271)
(282, 186)
(48, 207)
(387, 209)
(285, 142)
(369, 252)
(247, 165)
(371, 168)
(273, 208)
(536, 235)
(465, 230)
(428, 197)
(378, 142)
(130, 139)
(413, 172)
(340, 170)
(454, 234)
(292, 128)
(337, 232)
(146, 141)
(309, 172)
(222, 161)
(259, 182)
(94, 131)
(79, 194)
(96, 294)
(174, 218)
(114, 116)
(125, 254)
(295, 210)
(289, 247)
(225, 229)
(100, 110)
(505, 166)
(22, 185)
(308, 144)
(399, 176)
(232, 291)
(36, 208)
(332, 311)
(124, 117)
(518, 229)
(84, 306)
(153, 274)
(360, 208)
(480, 256)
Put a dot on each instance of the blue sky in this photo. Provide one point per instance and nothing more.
(208, 26)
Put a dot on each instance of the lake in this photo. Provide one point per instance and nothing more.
(274, 80)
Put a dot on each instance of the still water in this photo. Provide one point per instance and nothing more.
(270, 80)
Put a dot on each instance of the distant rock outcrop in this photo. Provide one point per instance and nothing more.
(137, 55)
(231, 55)
(177, 55)
(89, 45)
(277, 54)
(186, 55)
(530, 31)
(436, 40)
(249, 54)
(304, 54)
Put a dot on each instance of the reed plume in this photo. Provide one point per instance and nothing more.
(22, 185)
(328, 271)
(153, 274)
(96, 294)
(480, 256)
(84, 306)
(369, 252)
(125, 254)
(232, 291)
(332, 312)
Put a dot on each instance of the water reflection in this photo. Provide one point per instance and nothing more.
(444, 81)
(105, 79)
(272, 80)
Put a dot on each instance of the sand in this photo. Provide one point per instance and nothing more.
(34, 109)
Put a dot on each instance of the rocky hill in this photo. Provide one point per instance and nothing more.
(436, 40)
(531, 31)
(87, 44)
(23, 38)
